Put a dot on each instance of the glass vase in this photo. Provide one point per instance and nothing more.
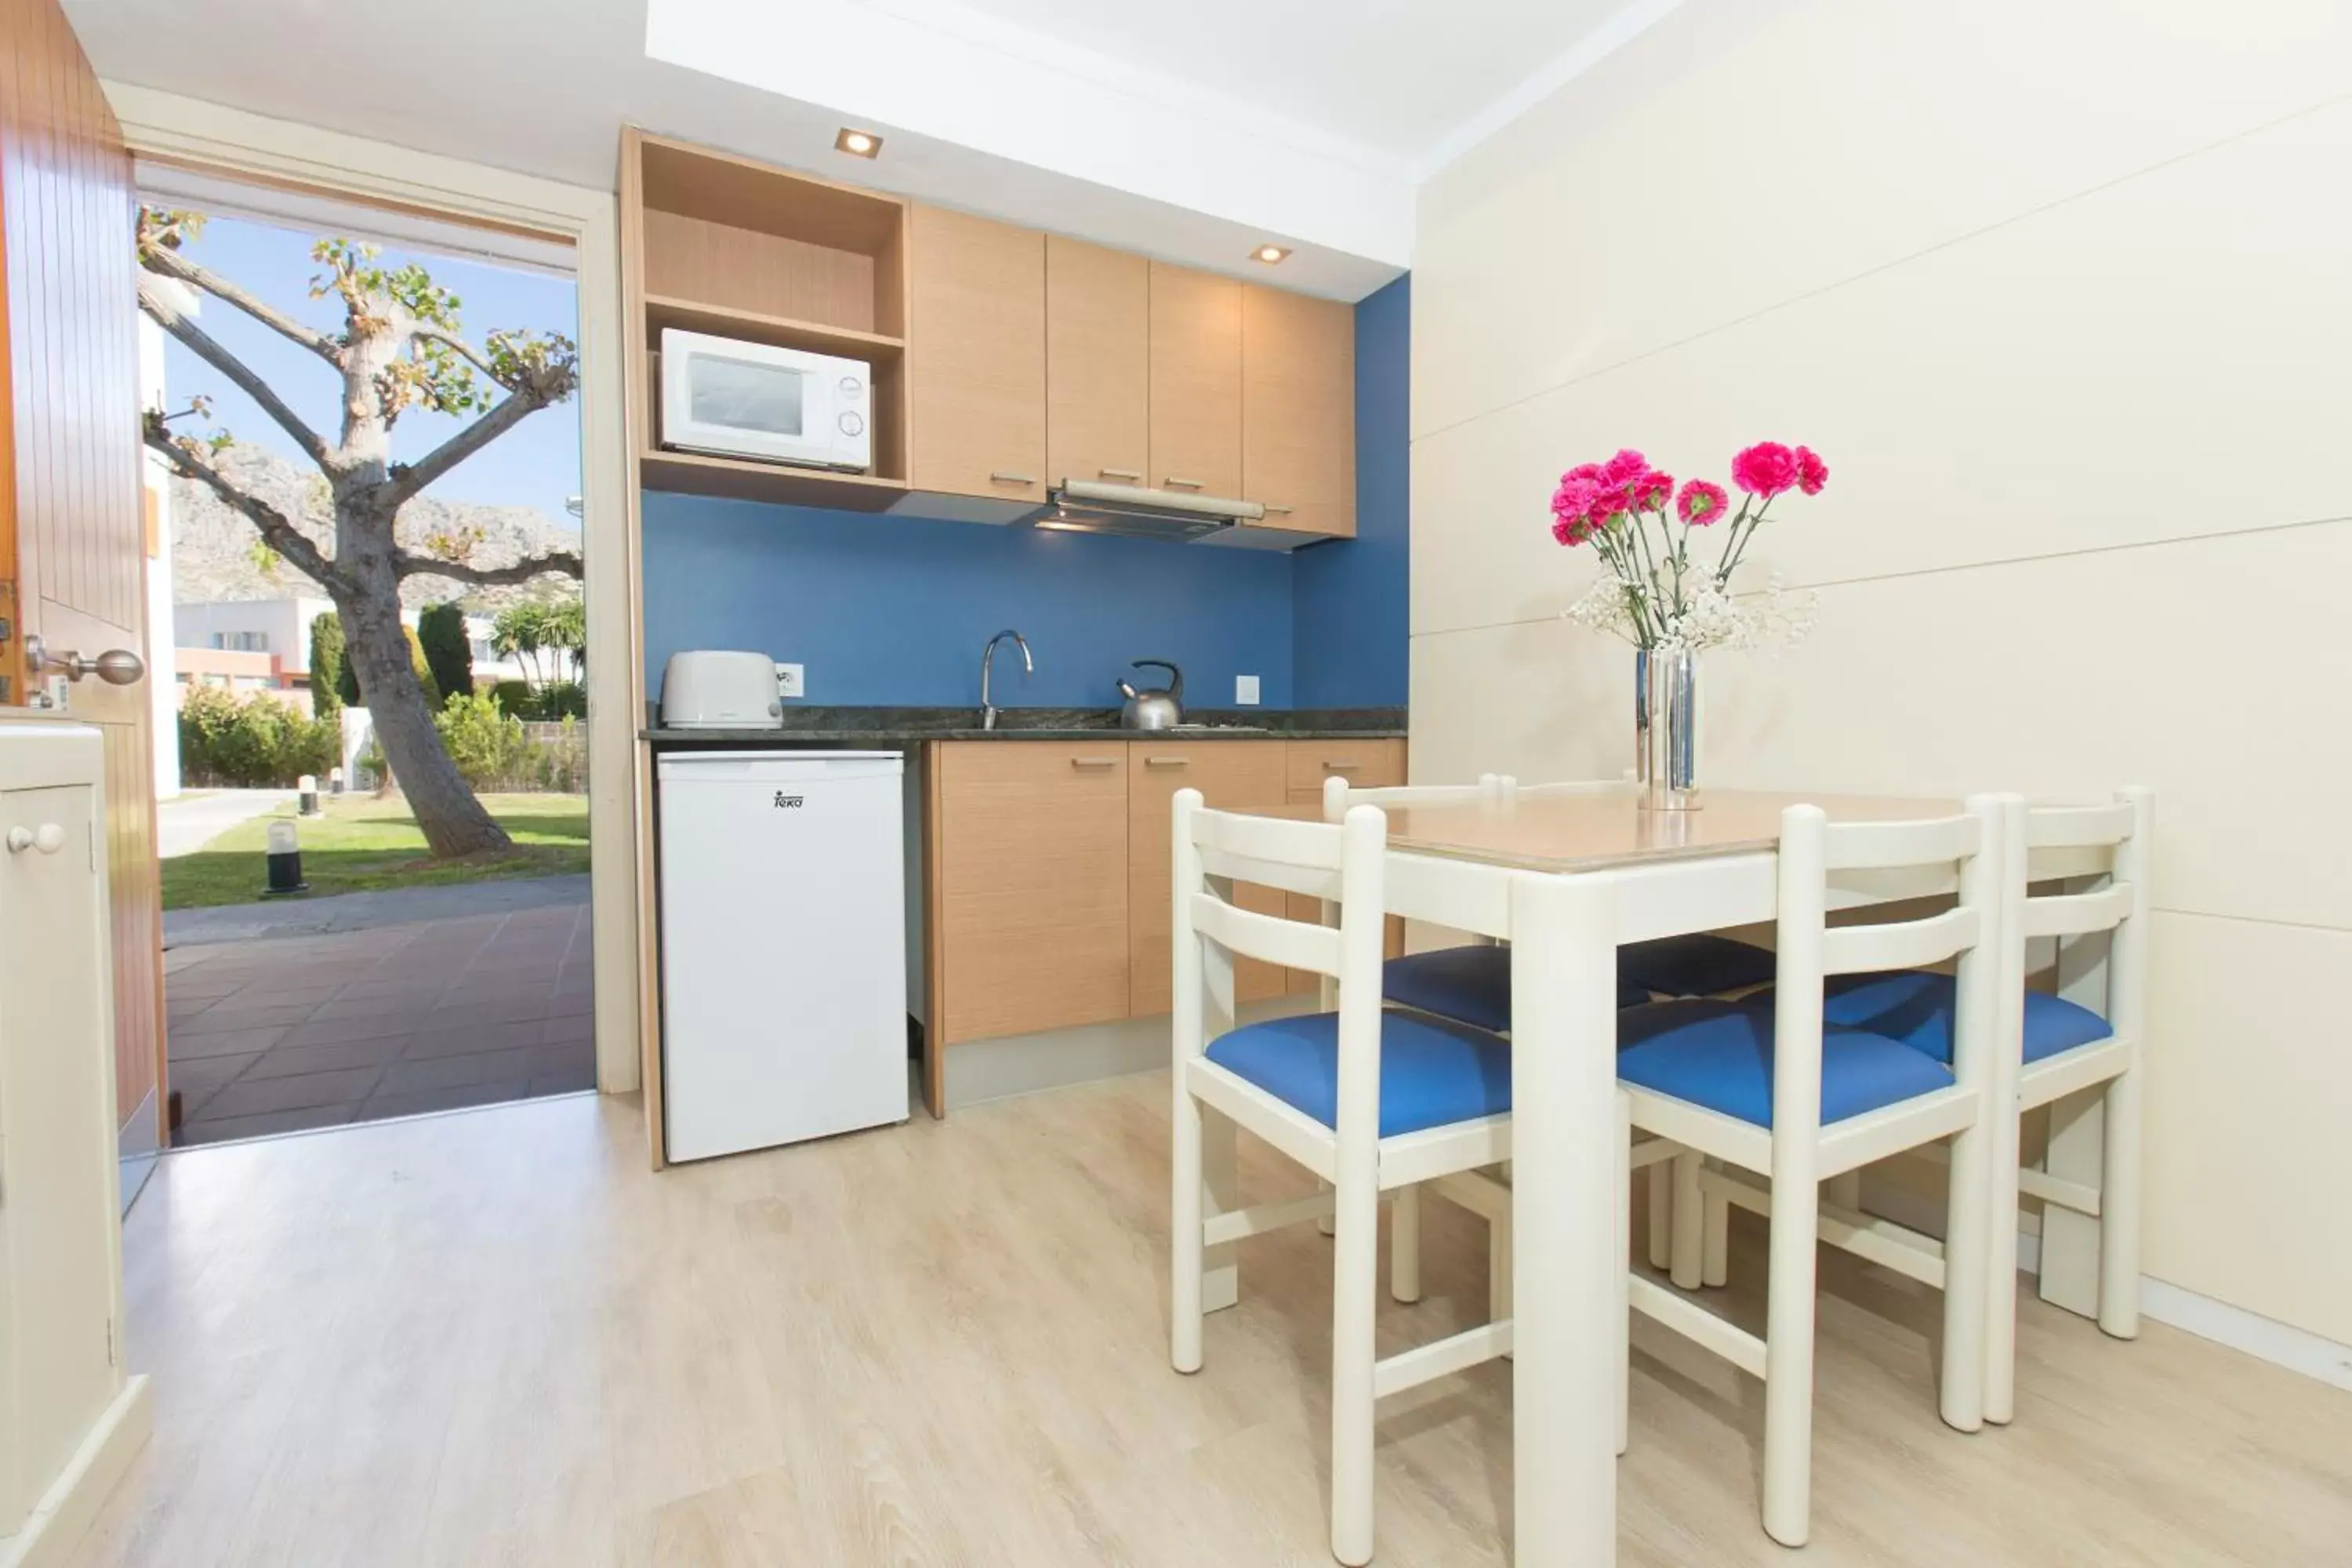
(1666, 729)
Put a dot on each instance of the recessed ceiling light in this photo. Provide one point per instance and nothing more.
(858, 143)
(1269, 254)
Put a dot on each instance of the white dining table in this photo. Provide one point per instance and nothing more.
(1566, 877)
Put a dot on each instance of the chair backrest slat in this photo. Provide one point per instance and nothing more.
(1291, 943)
(1900, 944)
(2078, 826)
(1314, 881)
(2079, 914)
(1880, 846)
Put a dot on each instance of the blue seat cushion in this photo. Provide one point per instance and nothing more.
(1471, 984)
(1699, 964)
(1433, 1071)
(1914, 1006)
(1719, 1055)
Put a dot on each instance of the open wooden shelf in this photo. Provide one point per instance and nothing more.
(664, 311)
(740, 479)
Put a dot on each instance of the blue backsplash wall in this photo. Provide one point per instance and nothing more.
(1352, 602)
(894, 611)
(887, 610)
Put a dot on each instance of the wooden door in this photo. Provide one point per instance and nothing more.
(976, 356)
(1365, 764)
(1298, 411)
(1029, 895)
(1226, 773)
(1196, 382)
(69, 473)
(1098, 363)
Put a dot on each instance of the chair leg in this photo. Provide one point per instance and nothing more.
(1624, 1259)
(1714, 1249)
(1967, 1267)
(1355, 1286)
(1221, 1192)
(1324, 1226)
(1498, 1269)
(1689, 1238)
(1662, 1214)
(2120, 1208)
(1186, 1253)
(2000, 1271)
(1788, 1366)
(1404, 1244)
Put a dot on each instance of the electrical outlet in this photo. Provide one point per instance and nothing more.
(1244, 690)
(789, 681)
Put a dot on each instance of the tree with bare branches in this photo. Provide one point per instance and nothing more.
(400, 348)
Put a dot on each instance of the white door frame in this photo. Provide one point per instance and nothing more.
(167, 128)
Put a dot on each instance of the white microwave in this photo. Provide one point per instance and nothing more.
(751, 400)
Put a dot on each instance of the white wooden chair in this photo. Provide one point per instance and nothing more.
(1366, 1099)
(2083, 1040)
(1765, 1087)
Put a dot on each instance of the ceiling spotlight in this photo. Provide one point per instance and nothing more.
(1269, 254)
(858, 143)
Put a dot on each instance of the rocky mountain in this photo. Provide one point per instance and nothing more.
(216, 558)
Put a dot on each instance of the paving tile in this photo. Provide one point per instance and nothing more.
(418, 1102)
(575, 1004)
(291, 1060)
(563, 1057)
(216, 1131)
(409, 1000)
(492, 1010)
(466, 1038)
(276, 991)
(199, 1078)
(571, 1028)
(411, 1076)
(255, 1097)
(572, 1082)
(373, 1026)
(182, 1045)
(360, 990)
(222, 1019)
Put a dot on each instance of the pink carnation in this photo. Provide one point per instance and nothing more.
(1573, 499)
(1611, 505)
(1766, 469)
(1811, 472)
(1571, 531)
(1653, 489)
(1624, 467)
(1702, 503)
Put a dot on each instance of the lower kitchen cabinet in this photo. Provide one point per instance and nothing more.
(1028, 887)
(1229, 773)
(1365, 764)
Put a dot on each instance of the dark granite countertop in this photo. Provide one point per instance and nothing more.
(852, 726)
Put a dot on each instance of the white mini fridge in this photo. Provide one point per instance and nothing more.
(782, 947)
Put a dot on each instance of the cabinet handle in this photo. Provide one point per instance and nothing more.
(1135, 474)
(1285, 510)
(1166, 762)
(1177, 484)
(1094, 762)
(1331, 767)
(1011, 478)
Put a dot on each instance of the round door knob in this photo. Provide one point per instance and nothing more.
(119, 666)
(48, 838)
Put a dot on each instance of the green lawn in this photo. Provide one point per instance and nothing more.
(364, 844)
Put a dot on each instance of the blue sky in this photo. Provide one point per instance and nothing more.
(535, 464)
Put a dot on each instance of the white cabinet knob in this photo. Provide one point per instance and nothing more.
(48, 838)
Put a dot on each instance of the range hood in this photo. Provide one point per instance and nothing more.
(1084, 506)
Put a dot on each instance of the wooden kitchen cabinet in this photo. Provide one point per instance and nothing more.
(1196, 382)
(1098, 363)
(1365, 764)
(1228, 774)
(1028, 886)
(1298, 411)
(976, 356)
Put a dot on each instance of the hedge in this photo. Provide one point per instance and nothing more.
(255, 742)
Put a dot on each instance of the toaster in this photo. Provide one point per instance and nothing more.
(707, 690)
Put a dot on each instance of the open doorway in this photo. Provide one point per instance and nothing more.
(362, 469)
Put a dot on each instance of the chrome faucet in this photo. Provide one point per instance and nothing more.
(988, 658)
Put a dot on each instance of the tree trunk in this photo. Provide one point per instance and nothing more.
(377, 646)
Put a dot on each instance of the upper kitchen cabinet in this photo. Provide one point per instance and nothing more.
(1098, 363)
(731, 248)
(976, 356)
(1196, 382)
(1298, 411)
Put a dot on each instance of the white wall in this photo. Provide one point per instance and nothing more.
(284, 622)
(2064, 293)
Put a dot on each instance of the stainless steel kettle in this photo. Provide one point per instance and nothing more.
(1153, 710)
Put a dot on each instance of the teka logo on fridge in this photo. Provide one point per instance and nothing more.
(787, 802)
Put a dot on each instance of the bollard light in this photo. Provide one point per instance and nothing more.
(285, 857)
(307, 794)
(335, 781)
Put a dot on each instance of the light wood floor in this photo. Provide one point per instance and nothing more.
(494, 1337)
